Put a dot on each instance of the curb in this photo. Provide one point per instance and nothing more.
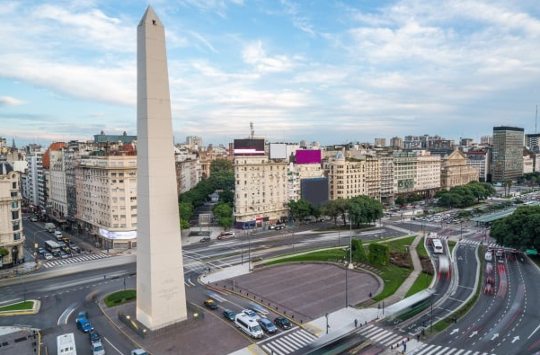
(25, 312)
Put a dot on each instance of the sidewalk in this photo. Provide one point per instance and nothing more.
(409, 281)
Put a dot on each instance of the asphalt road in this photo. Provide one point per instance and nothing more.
(505, 323)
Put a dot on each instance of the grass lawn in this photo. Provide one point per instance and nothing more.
(421, 249)
(399, 245)
(21, 306)
(451, 245)
(393, 276)
(422, 282)
(346, 227)
(120, 297)
(336, 254)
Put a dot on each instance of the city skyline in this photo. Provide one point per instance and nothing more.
(326, 72)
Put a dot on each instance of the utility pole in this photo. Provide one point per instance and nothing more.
(348, 264)
(327, 326)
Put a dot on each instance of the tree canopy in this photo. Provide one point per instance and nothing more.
(520, 230)
(466, 195)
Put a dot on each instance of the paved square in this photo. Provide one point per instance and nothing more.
(309, 290)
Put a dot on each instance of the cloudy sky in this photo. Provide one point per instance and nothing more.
(316, 70)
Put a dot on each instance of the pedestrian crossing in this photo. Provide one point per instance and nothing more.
(433, 349)
(382, 336)
(479, 242)
(287, 342)
(55, 263)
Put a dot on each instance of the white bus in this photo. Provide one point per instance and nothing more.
(437, 246)
(52, 247)
(65, 344)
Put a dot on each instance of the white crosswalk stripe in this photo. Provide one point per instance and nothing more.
(287, 343)
(432, 349)
(75, 259)
(382, 336)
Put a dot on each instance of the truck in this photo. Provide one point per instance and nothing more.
(50, 227)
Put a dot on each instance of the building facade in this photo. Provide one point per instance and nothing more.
(106, 184)
(11, 227)
(58, 191)
(260, 191)
(532, 141)
(396, 143)
(507, 153)
(456, 171)
(480, 160)
(188, 174)
(346, 178)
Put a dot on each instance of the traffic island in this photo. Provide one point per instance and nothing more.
(27, 307)
(186, 337)
(120, 297)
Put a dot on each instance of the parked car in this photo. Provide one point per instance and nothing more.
(33, 219)
(282, 323)
(205, 240)
(267, 325)
(82, 322)
(228, 314)
(210, 304)
(47, 256)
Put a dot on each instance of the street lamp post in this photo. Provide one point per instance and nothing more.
(348, 265)
(249, 250)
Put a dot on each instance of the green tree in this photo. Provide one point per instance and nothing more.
(364, 210)
(223, 214)
(520, 230)
(358, 251)
(3, 252)
(379, 254)
(300, 209)
(330, 210)
(186, 212)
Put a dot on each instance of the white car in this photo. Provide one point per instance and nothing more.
(48, 256)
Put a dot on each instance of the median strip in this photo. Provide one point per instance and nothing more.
(27, 307)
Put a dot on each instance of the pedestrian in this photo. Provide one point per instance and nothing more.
(418, 337)
(356, 323)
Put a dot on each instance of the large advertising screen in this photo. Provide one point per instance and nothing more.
(249, 146)
(314, 190)
(308, 156)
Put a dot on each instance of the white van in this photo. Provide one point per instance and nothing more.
(248, 325)
(488, 256)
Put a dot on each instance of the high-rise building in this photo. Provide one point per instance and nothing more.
(507, 153)
(528, 161)
(532, 141)
(11, 227)
(396, 143)
(480, 159)
(34, 178)
(380, 142)
(486, 140)
(194, 142)
(57, 170)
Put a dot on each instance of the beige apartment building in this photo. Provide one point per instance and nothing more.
(11, 227)
(387, 178)
(428, 171)
(346, 178)
(260, 190)
(296, 173)
(456, 170)
(106, 184)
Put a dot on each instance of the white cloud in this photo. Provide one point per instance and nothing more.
(255, 55)
(10, 101)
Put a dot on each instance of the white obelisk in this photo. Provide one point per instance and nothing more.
(161, 297)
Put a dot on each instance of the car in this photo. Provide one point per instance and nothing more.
(488, 256)
(94, 336)
(75, 248)
(228, 314)
(210, 304)
(97, 348)
(58, 234)
(283, 323)
(63, 255)
(279, 227)
(225, 235)
(41, 251)
(33, 219)
(205, 240)
(267, 325)
(47, 256)
(83, 324)
(139, 352)
(251, 314)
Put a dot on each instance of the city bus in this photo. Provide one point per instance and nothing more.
(65, 344)
(437, 246)
(52, 247)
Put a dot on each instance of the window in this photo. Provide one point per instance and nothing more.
(14, 214)
(16, 236)
(14, 185)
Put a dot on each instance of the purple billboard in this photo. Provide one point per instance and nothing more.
(308, 156)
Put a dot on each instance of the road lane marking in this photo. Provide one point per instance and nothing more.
(114, 347)
(534, 331)
(63, 319)
(11, 301)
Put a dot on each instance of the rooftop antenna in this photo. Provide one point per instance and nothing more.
(252, 130)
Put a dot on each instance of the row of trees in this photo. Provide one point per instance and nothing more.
(520, 230)
(466, 195)
(221, 179)
(379, 254)
(362, 210)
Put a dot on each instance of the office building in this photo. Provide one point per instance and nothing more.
(507, 153)
(380, 142)
(532, 141)
(396, 143)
